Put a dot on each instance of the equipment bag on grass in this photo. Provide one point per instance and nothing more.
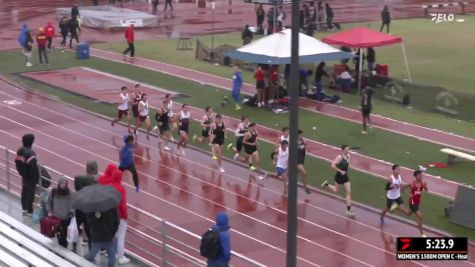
(210, 247)
(73, 233)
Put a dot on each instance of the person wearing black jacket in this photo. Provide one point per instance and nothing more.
(64, 28)
(104, 226)
(73, 30)
(75, 12)
(329, 13)
(386, 19)
(246, 35)
(27, 166)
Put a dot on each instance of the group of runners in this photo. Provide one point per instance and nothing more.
(214, 133)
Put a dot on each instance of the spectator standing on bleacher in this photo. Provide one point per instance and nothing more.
(92, 170)
(386, 19)
(60, 205)
(104, 227)
(222, 226)
(116, 182)
(371, 59)
(27, 166)
(79, 183)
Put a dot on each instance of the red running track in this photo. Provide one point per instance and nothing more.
(445, 188)
(188, 192)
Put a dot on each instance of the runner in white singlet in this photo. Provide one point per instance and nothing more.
(123, 107)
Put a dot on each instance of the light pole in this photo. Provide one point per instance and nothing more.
(293, 132)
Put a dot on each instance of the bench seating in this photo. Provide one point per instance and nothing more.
(453, 154)
(15, 232)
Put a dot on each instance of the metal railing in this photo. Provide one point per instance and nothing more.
(161, 246)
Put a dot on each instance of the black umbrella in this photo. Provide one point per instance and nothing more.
(96, 198)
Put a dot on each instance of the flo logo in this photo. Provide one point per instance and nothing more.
(447, 103)
(441, 17)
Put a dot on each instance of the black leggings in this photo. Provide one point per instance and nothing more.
(382, 27)
(168, 3)
(131, 48)
(135, 176)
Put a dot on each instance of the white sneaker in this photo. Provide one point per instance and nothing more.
(154, 128)
(259, 104)
(172, 138)
(167, 148)
(350, 213)
(236, 156)
(221, 170)
(28, 64)
(123, 260)
(261, 178)
(270, 101)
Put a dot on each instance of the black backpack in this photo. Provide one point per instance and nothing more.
(210, 247)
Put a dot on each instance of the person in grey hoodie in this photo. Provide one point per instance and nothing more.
(59, 205)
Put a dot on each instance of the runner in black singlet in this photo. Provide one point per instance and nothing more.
(163, 121)
(218, 134)
(341, 165)
(302, 150)
(184, 122)
(250, 147)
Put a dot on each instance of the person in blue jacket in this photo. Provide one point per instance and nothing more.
(237, 85)
(127, 159)
(222, 224)
(26, 43)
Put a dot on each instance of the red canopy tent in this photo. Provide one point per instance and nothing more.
(364, 38)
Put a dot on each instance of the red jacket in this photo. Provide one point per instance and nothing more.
(105, 178)
(116, 182)
(41, 40)
(49, 30)
(259, 75)
(129, 34)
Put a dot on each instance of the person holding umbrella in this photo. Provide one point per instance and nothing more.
(100, 203)
(59, 205)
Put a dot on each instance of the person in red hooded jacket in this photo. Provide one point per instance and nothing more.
(116, 182)
(129, 37)
(49, 32)
(41, 41)
(105, 179)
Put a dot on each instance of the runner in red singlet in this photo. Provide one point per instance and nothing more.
(415, 194)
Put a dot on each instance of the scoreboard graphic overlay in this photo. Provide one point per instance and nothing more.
(432, 248)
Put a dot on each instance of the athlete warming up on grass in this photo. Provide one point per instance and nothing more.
(218, 134)
(163, 123)
(394, 199)
(366, 106)
(241, 130)
(206, 126)
(341, 165)
(136, 96)
(415, 194)
(183, 128)
(250, 147)
(123, 108)
(143, 110)
(281, 160)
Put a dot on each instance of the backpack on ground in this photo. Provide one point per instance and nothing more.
(210, 247)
